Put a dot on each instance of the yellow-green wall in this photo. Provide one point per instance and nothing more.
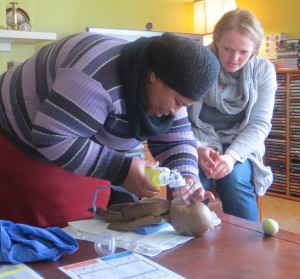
(275, 15)
(65, 17)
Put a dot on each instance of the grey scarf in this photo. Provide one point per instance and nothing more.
(244, 79)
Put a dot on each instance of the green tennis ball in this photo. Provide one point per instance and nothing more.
(270, 227)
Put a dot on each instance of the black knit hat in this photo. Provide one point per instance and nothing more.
(183, 64)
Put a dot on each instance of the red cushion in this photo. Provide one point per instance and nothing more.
(38, 194)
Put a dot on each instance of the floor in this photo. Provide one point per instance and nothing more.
(285, 212)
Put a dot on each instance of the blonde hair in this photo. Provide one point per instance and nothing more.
(244, 22)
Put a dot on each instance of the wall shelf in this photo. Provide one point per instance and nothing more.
(8, 37)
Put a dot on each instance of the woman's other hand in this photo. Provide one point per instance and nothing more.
(206, 159)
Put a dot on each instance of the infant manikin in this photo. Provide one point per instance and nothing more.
(192, 218)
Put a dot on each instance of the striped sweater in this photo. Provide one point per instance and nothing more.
(66, 104)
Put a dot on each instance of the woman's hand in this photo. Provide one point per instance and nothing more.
(193, 190)
(223, 166)
(213, 165)
(136, 181)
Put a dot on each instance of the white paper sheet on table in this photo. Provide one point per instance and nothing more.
(149, 245)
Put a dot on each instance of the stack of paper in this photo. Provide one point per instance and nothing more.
(149, 245)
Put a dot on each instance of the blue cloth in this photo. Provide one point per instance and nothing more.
(151, 228)
(21, 243)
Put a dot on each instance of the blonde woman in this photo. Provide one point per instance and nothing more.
(232, 121)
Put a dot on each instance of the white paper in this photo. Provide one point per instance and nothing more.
(216, 220)
(118, 266)
(149, 245)
(22, 271)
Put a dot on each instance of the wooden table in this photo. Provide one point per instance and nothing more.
(235, 249)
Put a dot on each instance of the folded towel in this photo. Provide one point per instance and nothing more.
(152, 228)
(21, 243)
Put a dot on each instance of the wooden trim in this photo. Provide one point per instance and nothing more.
(288, 71)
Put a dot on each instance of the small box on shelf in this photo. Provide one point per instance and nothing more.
(272, 42)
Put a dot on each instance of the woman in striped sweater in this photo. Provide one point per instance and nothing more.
(78, 105)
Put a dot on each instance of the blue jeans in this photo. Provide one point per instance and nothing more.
(236, 191)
